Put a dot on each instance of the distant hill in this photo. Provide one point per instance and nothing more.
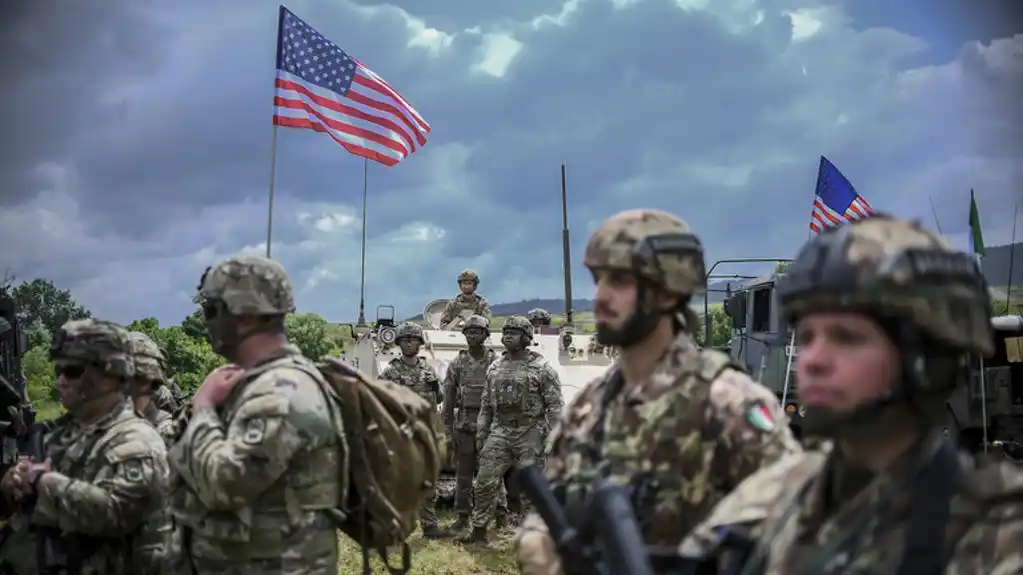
(557, 306)
(996, 265)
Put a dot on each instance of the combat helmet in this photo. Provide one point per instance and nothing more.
(150, 361)
(517, 322)
(540, 316)
(94, 342)
(411, 331)
(477, 321)
(898, 272)
(469, 275)
(249, 285)
(652, 244)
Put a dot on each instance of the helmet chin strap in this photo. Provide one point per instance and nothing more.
(639, 326)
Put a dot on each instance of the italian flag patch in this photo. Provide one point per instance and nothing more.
(760, 417)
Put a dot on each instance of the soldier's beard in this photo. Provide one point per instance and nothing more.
(635, 331)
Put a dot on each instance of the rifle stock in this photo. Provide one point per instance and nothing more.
(610, 513)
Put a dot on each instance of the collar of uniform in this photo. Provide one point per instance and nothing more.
(461, 297)
(680, 351)
(285, 350)
(124, 409)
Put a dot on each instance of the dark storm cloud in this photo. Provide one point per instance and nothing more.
(63, 57)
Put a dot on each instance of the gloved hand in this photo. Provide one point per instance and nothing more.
(534, 548)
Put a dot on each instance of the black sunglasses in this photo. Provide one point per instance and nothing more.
(70, 371)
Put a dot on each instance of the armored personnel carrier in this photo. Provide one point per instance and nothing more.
(986, 412)
(575, 356)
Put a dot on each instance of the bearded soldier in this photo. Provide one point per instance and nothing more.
(885, 313)
(521, 403)
(104, 471)
(414, 372)
(679, 425)
(463, 390)
(150, 370)
(260, 464)
(466, 302)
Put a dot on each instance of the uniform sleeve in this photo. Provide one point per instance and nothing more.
(750, 425)
(230, 468)
(484, 308)
(433, 381)
(486, 415)
(133, 476)
(553, 401)
(391, 374)
(447, 412)
(448, 314)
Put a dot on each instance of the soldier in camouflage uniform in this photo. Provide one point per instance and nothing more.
(539, 317)
(414, 372)
(463, 390)
(885, 312)
(259, 467)
(150, 369)
(467, 301)
(105, 470)
(521, 403)
(679, 426)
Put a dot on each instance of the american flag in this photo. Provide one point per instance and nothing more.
(836, 200)
(320, 87)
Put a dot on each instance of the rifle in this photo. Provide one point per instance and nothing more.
(608, 510)
(50, 558)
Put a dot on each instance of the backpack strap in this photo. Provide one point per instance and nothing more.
(925, 552)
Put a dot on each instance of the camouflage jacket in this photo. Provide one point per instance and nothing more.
(162, 421)
(420, 378)
(695, 428)
(106, 487)
(519, 395)
(463, 389)
(474, 303)
(252, 480)
(785, 504)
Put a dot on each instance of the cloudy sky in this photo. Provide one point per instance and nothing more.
(137, 137)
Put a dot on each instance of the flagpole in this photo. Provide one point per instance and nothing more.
(1012, 253)
(362, 280)
(935, 214)
(273, 179)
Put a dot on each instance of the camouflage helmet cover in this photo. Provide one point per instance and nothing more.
(518, 322)
(477, 321)
(652, 244)
(537, 314)
(469, 275)
(249, 285)
(410, 330)
(897, 270)
(96, 342)
(150, 361)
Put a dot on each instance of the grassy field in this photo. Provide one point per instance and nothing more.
(443, 557)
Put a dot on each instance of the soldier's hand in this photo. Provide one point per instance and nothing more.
(15, 485)
(534, 549)
(217, 386)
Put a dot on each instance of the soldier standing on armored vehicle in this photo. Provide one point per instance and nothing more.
(466, 302)
(414, 372)
(463, 390)
(677, 425)
(521, 403)
(884, 313)
(150, 370)
(104, 470)
(259, 467)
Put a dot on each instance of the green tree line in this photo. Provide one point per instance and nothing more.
(189, 355)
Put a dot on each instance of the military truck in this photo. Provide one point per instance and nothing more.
(979, 416)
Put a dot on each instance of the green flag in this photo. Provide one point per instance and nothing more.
(976, 235)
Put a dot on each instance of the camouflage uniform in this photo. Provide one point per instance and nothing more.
(819, 513)
(256, 477)
(423, 380)
(683, 437)
(538, 317)
(474, 304)
(151, 365)
(107, 476)
(521, 403)
(463, 389)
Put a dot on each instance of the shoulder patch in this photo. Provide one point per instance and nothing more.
(287, 384)
(760, 417)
